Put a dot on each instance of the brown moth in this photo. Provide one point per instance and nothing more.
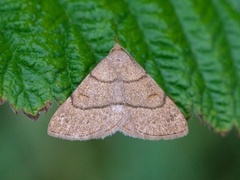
(118, 95)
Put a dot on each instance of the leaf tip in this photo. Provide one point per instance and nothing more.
(46, 107)
(43, 109)
(33, 117)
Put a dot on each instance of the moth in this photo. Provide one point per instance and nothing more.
(118, 95)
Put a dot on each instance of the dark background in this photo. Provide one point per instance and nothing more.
(27, 152)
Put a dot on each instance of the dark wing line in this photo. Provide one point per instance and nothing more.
(119, 80)
(114, 104)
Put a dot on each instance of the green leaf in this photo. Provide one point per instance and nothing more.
(190, 47)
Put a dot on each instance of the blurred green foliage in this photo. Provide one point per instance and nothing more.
(27, 152)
